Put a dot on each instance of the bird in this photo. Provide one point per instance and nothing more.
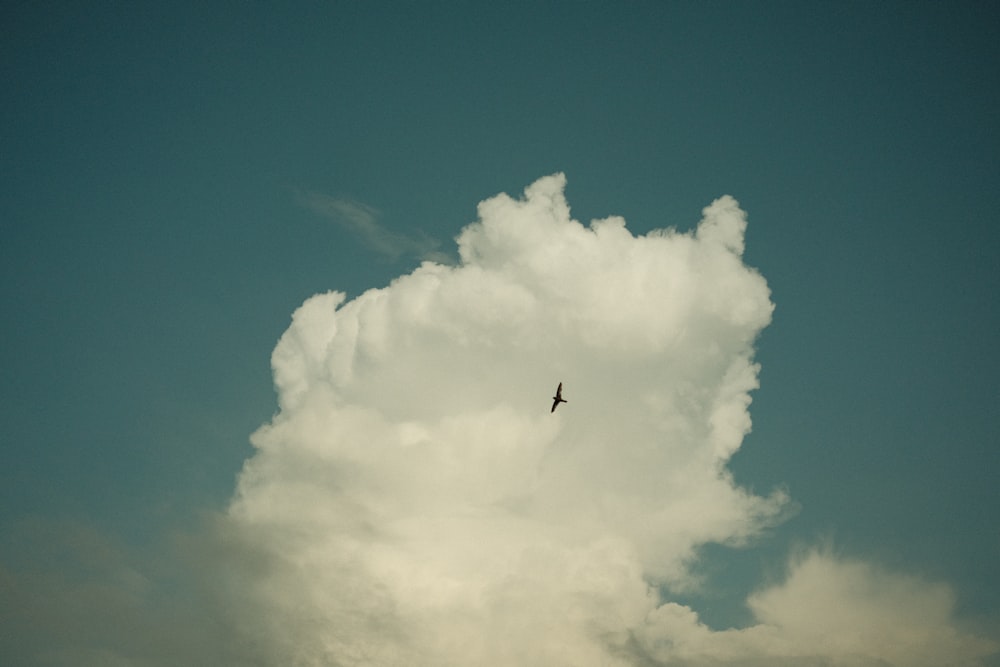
(557, 399)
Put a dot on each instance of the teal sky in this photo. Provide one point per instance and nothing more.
(154, 239)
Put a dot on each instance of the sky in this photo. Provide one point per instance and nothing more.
(287, 291)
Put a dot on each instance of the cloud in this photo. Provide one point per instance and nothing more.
(362, 221)
(414, 502)
(828, 611)
(70, 595)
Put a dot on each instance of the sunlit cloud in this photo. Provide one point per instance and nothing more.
(415, 502)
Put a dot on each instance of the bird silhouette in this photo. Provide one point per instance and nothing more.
(557, 399)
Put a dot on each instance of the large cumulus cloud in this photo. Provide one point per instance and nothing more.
(414, 502)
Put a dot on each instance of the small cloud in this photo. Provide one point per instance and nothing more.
(829, 612)
(362, 221)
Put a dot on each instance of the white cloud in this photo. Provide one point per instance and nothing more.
(415, 503)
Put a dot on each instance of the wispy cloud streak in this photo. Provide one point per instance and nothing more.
(362, 221)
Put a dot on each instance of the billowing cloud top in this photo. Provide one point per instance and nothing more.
(414, 502)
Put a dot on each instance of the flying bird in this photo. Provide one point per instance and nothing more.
(557, 399)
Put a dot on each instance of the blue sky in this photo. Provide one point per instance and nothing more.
(157, 236)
